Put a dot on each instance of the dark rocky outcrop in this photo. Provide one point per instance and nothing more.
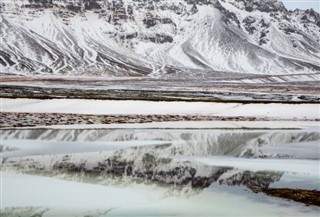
(160, 38)
(261, 5)
(248, 21)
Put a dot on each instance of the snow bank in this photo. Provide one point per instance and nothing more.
(309, 167)
(110, 107)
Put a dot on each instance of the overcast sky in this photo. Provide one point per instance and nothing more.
(302, 4)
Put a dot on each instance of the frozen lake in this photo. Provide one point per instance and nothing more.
(156, 172)
(74, 199)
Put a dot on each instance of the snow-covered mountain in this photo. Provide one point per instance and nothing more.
(157, 38)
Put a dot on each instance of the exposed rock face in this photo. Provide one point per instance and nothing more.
(260, 5)
(149, 20)
(144, 37)
(310, 16)
(248, 21)
(253, 180)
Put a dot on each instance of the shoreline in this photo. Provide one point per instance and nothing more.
(17, 120)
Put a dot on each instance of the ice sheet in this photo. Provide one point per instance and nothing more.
(139, 200)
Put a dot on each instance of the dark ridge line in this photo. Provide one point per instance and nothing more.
(31, 92)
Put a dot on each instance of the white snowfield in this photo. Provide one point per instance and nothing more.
(110, 107)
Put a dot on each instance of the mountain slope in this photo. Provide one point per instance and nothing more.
(157, 38)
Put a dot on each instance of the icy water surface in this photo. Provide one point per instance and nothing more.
(148, 172)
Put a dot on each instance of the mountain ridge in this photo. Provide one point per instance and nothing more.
(157, 38)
